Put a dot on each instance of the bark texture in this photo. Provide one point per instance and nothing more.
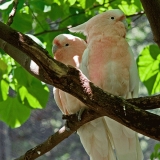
(72, 80)
(152, 9)
(128, 112)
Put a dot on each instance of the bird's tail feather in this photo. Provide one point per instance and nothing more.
(95, 140)
(125, 141)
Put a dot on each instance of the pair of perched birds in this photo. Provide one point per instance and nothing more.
(107, 60)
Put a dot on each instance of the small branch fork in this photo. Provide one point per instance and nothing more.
(140, 116)
(12, 13)
(70, 80)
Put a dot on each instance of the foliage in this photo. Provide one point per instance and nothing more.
(156, 152)
(149, 68)
(42, 20)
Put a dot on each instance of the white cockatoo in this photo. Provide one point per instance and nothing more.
(109, 63)
(68, 49)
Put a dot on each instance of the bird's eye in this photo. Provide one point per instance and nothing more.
(112, 17)
(66, 44)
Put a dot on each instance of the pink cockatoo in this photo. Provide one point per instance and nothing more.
(68, 49)
(109, 63)
(93, 135)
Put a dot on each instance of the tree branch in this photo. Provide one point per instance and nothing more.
(24, 61)
(60, 135)
(83, 12)
(65, 28)
(74, 124)
(70, 80)
(13, 12)
(152, 9)
(146, 103)
(36, 70)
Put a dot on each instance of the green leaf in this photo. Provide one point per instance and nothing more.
(31, 91)
(156, 152)
(13, 112)
(149, 68)
(157, 148)
(47, 8)
(38, 94)
(25, 10)
(86, 3)
(22, 77)
(100, 1)
(152, 156)
(129, 7)
(35, 96)
(3, 65)
(4, 86)
(23, 20)
(72, 2)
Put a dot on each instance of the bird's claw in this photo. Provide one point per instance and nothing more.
(66, 122)
(79, 114)
(66, 126)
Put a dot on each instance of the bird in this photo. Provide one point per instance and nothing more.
(109, 63)
(69, 49)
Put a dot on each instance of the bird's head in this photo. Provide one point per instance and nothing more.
(100, 22)
(66, 47)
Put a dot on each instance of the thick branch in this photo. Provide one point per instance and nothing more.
(152, 9)
(24, 61)
(74, 124)
(59, 136)
(46, 146)
(146, 103)
(70, 80)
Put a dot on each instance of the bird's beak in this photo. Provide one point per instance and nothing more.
(123, 19)
(54, 48)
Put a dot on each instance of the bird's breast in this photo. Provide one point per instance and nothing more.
(108, 66)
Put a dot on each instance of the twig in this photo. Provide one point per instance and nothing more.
(48, 31)
(65, 28)
(12, 13)
(88, 9)
(70, 80)
(46, 146)
(136, 14)
(139, 15)
(74, 124)
(72, 15)
(35, 17)
(146, 103)
(59, 136)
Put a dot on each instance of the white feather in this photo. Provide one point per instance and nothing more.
(79, 28)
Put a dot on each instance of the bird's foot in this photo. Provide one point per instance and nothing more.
(66, 122)
(66, 126)
(79, 113)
